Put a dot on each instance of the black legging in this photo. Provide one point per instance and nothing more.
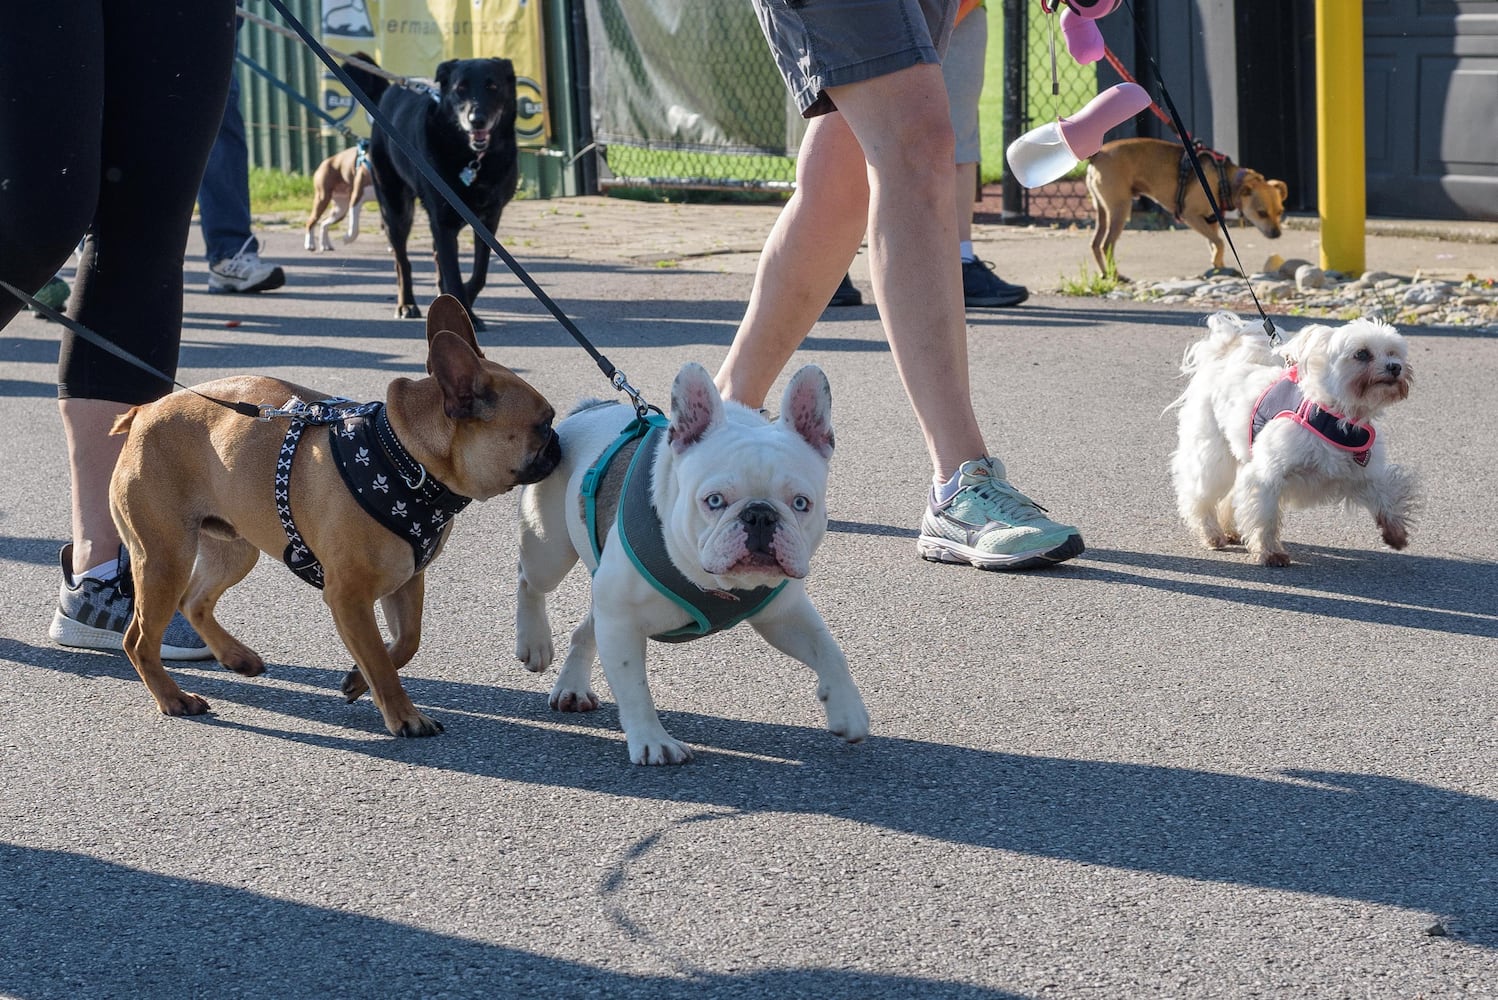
(108, 109)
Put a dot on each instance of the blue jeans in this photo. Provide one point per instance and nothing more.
(224, 195)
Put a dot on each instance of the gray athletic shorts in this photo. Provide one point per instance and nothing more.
(962, 68)
(830, 43)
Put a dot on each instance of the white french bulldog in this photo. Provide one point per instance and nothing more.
(741, 507)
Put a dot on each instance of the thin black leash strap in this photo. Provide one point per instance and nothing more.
(286, 89)
(1201, 176)
(615, 376)
(247, 409)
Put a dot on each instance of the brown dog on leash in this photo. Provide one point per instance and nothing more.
(342, 180)
(192, 497)
(1126, 168)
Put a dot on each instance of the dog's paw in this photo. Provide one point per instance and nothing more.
(243, 661)
(1274, 559)
(348, 238)
(658, 749)
(566, 700)
(353, 685)
(417, 726)
(1395, 535)
(408, 311)
(182, 703)
(309, 243)
(846, 715)
(534, 651)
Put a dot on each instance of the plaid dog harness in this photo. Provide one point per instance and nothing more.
(617, 490)
(1283, 398)
(391, 486)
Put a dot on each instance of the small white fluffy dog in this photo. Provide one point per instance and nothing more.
(1264, 429)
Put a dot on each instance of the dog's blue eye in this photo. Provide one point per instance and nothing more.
(1364, 355)
(715, 501)
(801, 504)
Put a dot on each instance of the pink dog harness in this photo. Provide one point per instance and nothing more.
(1283, 398)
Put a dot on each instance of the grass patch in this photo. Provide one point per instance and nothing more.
(1090, 284)
(275, 191)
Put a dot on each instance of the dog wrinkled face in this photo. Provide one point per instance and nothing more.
(1361, 367)
(480, 96)
(746, 496)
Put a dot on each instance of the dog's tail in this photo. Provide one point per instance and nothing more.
(372, 84)
(1229, 336)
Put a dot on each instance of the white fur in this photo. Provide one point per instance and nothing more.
(1226, 492)
(716, 460)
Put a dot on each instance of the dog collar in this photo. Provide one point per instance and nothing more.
(391, 486)
(624, 498)
(1284, 398)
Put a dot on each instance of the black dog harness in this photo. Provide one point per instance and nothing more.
(623, 497)
(1225, 200)
(1284, 398)
(391, 486)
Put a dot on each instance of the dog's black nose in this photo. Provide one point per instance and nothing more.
(1394, 368)
(759, 520)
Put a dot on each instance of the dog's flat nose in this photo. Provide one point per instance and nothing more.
(759, 520)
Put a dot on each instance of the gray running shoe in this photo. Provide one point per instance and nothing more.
(244, 272)
(991, 525)
(93, 614)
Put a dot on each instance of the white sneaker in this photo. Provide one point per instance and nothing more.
(244, 272)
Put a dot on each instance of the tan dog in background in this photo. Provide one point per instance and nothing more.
(342, 180)
(1126, 168)
(193, 498)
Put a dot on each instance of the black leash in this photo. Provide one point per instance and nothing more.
(290, 92)
(1186, 142)
(247, 409)
(614, 375)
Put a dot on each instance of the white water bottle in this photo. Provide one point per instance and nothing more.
(1049, 152)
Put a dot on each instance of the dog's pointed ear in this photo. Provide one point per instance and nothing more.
(696, 406)
(444, 72)
(447, 313)
(806, 405)
(468, 391)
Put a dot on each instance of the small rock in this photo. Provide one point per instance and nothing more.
(1383, 283)
(1427, 293)
(1374, 277)
(1289, 267)
(1308, 278)
(1273, 263)
(1437, 930)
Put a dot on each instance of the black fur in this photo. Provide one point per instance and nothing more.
(480, 93)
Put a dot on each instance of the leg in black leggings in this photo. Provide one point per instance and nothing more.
(107, 112)
(116, 108)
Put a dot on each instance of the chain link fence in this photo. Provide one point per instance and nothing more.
(689, 98)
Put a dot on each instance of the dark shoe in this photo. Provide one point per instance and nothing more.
(981, 287)
(846, 294)
(93, 614)
(53, 295)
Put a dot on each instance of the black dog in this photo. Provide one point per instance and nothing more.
(467, 133)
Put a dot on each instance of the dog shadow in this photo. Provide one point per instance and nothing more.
(1365, 837)
(1450, 596)
(99, 929)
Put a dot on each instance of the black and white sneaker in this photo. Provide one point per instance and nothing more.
(244, 272)
(93, 614)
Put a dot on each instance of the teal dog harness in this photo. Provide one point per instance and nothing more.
(617, 489)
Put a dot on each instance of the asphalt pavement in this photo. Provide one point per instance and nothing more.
(1154, 771)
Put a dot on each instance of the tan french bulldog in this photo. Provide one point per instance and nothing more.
(192, 497)
(1126, 168)
(722, 508)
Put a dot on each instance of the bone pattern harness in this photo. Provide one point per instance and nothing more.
(1283, 398)
(623, 497)
(391, 486)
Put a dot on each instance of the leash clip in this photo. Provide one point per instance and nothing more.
(621, 382)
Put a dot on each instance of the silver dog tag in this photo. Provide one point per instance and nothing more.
(467, 175)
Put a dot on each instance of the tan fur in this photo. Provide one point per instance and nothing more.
(193, 498)
(1128, 168)
(345, 183)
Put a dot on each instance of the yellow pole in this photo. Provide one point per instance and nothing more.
(1341, 190)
